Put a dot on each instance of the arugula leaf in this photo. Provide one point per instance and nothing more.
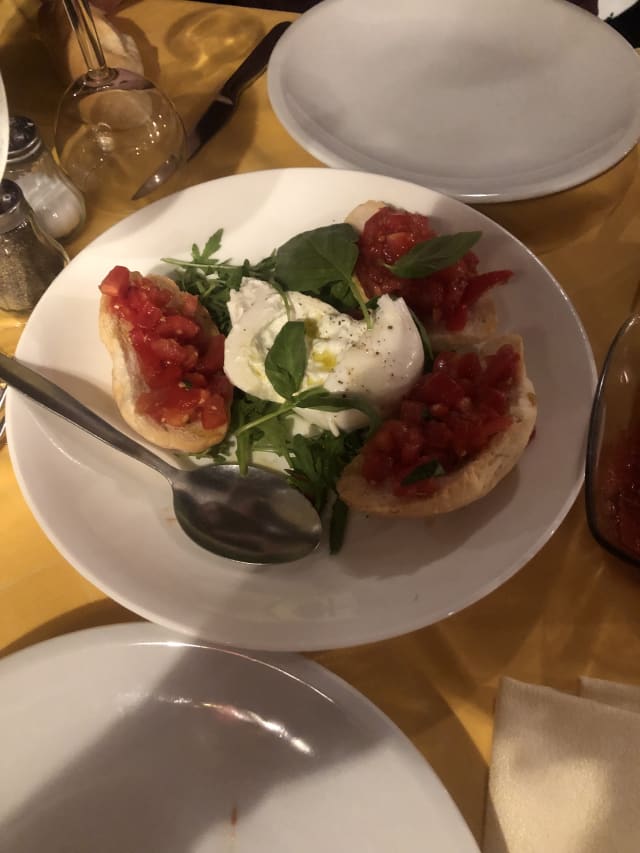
(337, 525)
(426, 343)
(372, 303)
(245, 408)
(317, 398)
(325, 401)
(432, 468)
(435, 254)
(212, 280)
(212, 245)
(286, 361)
(317, 463)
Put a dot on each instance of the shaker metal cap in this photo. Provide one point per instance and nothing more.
(12, 205)
(24, 139)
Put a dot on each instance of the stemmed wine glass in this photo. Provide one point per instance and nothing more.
(113, 128)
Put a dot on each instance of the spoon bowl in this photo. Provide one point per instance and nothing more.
(612, 474)
(255, 517)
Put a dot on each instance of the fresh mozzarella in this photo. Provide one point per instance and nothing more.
(344, 356)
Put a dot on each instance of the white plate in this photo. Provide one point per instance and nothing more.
(486, 101)
(127, 739)
(613, 8)
(4, 128)
(112, 518)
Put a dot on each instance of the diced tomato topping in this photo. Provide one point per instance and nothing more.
(443, 298)
(177, 326)
(115, 282)
(181, 362)
(377, 466)
(213, 359)
(448, 417)
(413, 411)
(439, 387)
(214, 412)
(190, 304)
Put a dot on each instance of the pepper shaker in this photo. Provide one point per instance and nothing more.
(58, 205)
(29, 258)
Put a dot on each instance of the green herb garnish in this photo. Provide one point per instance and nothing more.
(286, 361)
(435, 254)
(321, 262)
(317, 398)
(425, 471)
(426, 343)
(213, 280)
(316, 466)
(337, 525)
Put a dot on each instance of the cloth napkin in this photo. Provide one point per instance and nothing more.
(565, 770)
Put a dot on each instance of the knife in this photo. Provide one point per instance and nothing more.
(220, 110)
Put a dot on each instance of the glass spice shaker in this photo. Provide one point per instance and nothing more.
(58, 205)
(29, 258)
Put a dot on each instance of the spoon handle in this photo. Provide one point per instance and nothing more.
(54, 398)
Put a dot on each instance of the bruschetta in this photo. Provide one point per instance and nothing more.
(167, 361)
(454, 304)
(460, 430)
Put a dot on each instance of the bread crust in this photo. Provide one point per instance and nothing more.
(483, 320)
(475, 479)
(128, 382)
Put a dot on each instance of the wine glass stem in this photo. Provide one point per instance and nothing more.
(81, 19)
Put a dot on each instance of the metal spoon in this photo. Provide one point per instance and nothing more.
(252, 518)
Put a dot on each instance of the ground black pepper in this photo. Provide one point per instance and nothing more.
(29, 259)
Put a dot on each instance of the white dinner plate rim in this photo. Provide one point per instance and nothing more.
(309, 674)
(18, 408)
(4, 127)
(330, 156)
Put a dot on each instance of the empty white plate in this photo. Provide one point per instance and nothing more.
(488, 101)
(129, 739)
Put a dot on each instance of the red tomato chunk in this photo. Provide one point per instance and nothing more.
(181, 364)
(443, 298)
(449, 416)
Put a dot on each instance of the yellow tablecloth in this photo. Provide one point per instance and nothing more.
(572, 610)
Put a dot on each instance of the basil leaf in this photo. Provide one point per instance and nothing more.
(337, 525)
(426, 343)
(432, 468)
(313, 259)
(286, 361)
(325, 401)
(435, 254)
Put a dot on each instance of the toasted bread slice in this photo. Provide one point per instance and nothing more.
(361, 214)
(471, 482)
(128, 383)
(483, 320)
